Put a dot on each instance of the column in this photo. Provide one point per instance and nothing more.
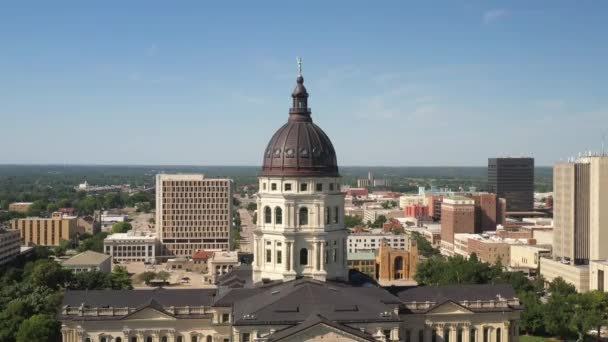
(314, 255)
(453, 333)
(466, 332)
(505, 332)
(322, 255)
(255, 252)
(427, 334)
(318, 216)
(289, 256)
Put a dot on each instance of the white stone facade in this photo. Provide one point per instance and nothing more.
(300, 229)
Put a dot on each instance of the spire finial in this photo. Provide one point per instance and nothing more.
(299, 60)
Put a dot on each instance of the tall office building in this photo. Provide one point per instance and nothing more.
(192, 213)
(457, 216)
(513, 180)
(580, 210)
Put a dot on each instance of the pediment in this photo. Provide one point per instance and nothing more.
(449, 308)
(322, 332)
(149, 313)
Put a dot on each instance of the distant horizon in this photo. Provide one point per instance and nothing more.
(217, 165)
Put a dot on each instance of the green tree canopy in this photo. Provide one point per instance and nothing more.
(252, 206)
(120, 279)
(39, 328)
(121, 227)
(352, 221)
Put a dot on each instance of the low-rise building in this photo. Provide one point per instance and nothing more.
(577, 275)
(268, 313)
(20, 207)
(396, 264)
(40, 231)
(526, 258)
(222, 262)
(366, 241)
(131, 247)
(89, 261)
(598, 275)
(409, 200)
(371, 214)
(9, 245)
(364, 262)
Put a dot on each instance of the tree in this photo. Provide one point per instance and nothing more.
(48, 273)
(147, 276)
(120, 279)
(353, 221)
(163, 275)
(558, 312)
(64, 245)
(424, 246)
(560, 287)
(252, 206)
(94, 243)
(112, 200)
(121, 227)
(236, 202)
(90, 280)
(40, 328)
(532, 318)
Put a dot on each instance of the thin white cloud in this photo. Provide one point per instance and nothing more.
(493, 15)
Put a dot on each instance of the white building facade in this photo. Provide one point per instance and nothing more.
(300, 228)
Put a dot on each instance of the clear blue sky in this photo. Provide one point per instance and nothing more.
(191, 82)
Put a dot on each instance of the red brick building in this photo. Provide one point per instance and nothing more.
(434, 205)
(457, 216)
(417, 211)
(485, 211)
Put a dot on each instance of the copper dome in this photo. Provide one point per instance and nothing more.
(300, 148)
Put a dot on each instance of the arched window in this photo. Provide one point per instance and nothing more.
(133, 339)
(209, 338)
(87, 340)
(149, 339)
(164, 339)
(303, 216)
(194, 339)
(336, 214)
(278, 215)
(327, 215)
(473, 335)
(267, 215)
(118, 339)
(304, 256)
(180, 339)
(498, 334)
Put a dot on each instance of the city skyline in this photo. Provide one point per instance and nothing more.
(92, 85)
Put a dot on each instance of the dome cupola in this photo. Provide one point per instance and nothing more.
(300, 148)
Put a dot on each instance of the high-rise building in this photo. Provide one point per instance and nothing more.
(40, 231)
(192, 213)
(300, 228)
(580, 210)
(513, 180)
(457, 216)
(486, 207)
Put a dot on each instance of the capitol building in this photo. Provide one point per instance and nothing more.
(299, 287)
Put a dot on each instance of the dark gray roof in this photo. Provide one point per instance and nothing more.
(293, 302)
(457, 293)
(139, 297)
(314, 320)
